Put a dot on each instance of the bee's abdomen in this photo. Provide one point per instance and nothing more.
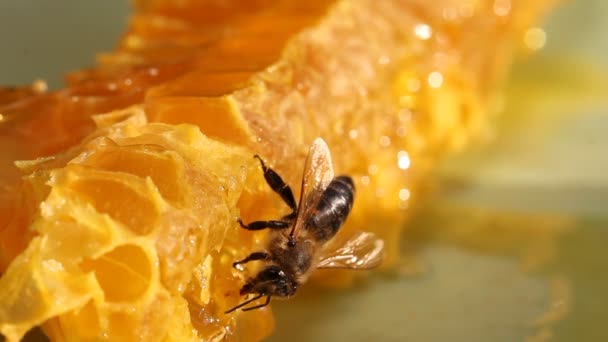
(333, 208)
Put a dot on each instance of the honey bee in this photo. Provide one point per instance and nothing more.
(292, 254)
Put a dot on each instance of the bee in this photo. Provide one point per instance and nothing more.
(292, 254)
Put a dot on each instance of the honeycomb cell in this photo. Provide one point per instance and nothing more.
(124, 273)
(165, 168)
(203, 83)
(83, 322)
(217, 117)
(119, 200)
(68, 240)
(122, 326)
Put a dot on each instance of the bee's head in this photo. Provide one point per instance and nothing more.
(272, 281)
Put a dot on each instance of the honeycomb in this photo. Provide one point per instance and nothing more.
(120, 225)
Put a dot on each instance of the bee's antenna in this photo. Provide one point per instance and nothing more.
(259, 306)
(247, 302)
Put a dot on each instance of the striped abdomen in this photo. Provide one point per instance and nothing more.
(332, 209)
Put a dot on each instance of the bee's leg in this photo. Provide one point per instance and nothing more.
(278, 185)
(259, 306)
(259, 225)
(253, 257)
(244, 303)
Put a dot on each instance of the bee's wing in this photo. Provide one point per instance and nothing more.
(363, 251)
(318, 173)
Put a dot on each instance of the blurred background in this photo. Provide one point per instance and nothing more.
(519, 227)
(39, 37)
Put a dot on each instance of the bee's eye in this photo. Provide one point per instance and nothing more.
(272, 272)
